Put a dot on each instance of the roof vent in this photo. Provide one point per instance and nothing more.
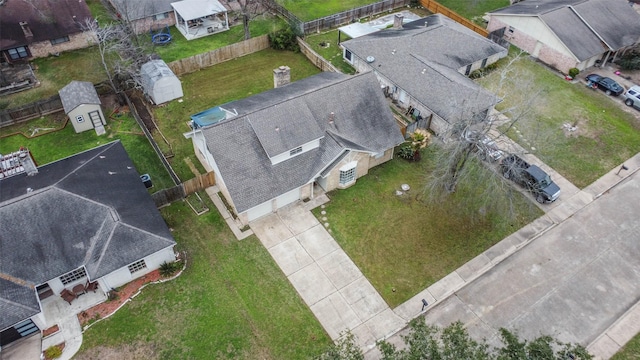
(370, 59)
(26, 30)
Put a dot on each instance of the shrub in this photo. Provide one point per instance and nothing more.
(630, 60)
(573, 72)
(406, 151)
(168, 269)
(284, 39)
(53, 352)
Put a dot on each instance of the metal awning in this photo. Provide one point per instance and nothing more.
(195, 9)
(357, 29)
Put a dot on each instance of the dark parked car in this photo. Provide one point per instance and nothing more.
(531, 177)
(608, 85)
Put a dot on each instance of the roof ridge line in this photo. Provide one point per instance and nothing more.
(145, 232)
(4, 299)
(104, 248)
(107, 147)
(16, 280)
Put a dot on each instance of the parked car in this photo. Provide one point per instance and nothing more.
(608, 85)
(632, 97)
(484, 146)
(531, 177)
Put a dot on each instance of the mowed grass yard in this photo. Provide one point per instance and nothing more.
(605, 137)
(403, 244)
(216, 85)
(232, 302)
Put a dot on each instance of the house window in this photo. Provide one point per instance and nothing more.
(161, 16)
(80, 118)
(137, 266)
(295, 151)
(59, 40)
(18, 53)
(72, 276)
(484, 62)
(467, 71)
(347, 176)
(347, 54)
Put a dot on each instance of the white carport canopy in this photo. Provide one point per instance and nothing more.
(195, 9)
(357, 29)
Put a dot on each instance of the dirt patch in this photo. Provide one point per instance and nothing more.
(137, 351)
(146, 117)
(579, 127)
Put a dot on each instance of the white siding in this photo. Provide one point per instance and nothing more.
(305, 147)
(288, 198)
(534, 27)
(84, 111)
(123, 276)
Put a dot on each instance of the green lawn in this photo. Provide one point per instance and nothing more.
(631, 351)
(220, 84)
(330, 50)
(181, 48)
(99, 12)
(605, 137)
(63, 143)
(307, 10)
(53, 73)
(471, 9)
(232, 302)
(403, 243)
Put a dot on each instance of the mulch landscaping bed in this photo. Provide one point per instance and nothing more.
(52, 330)
(108, 307)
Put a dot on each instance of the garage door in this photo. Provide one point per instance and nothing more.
(288, 198)
(260, 210)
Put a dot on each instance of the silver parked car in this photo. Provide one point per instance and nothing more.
(485, 147)
(632, 97)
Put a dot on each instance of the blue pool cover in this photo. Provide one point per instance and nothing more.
(208, 117)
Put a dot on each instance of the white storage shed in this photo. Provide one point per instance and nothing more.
(160, 84)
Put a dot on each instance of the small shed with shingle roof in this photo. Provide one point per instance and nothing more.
(82, 104)
(160, 84)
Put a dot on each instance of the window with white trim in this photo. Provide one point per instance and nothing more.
(59, 40)
(295, 151)
(347, 176)
(137, 266)
(72, 276)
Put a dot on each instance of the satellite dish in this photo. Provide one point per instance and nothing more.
(370, 59)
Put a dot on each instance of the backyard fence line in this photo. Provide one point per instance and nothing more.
(437, 8)
(315, 58)
(165, 197)
(198, 183)
(213, 57)
(27, 112)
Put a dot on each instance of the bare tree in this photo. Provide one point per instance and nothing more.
(249, 10)
(466, 138)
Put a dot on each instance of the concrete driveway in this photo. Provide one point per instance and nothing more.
(328, 281)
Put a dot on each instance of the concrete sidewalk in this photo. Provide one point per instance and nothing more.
(328, 281)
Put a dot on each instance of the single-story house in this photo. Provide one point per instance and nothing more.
(270, 149)
(82, 104)
(39, 28)
(424, 66)
(86, 219)
(198, 18)
(567, 34)
(145, 15)
(159, 83)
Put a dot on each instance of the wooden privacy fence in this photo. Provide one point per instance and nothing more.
(349, 16)
(200, 61)
(436, 8)
(167, 196)
(30, 111)
(315, 58)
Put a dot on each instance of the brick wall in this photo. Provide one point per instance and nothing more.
(76, 41)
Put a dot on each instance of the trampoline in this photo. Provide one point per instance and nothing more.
(162, 37)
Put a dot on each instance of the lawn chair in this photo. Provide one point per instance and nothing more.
(91, 286)
(68, 296)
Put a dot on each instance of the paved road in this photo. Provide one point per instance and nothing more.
(572, 281)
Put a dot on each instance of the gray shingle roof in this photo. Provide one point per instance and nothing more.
(152, 71)
(140, 9)
(361, 116)
(582, 25)
(424, 61)
(77, 93)
(90, 209)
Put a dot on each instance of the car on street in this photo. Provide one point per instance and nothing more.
(608, 85)
(531, 177)
(632, 97)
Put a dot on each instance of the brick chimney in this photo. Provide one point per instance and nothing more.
(26, 30)
(281, 76)
(397, 21)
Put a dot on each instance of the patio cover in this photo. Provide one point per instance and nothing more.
(195, 9)
(357, 29)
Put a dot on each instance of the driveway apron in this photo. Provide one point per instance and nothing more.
(327, 280)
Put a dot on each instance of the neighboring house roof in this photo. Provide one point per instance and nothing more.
(90, 209)
(77, 93)
(583, 25)
(195, 9)
(423, 60)
(140, 9)
(279, 119)
(46, 20)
